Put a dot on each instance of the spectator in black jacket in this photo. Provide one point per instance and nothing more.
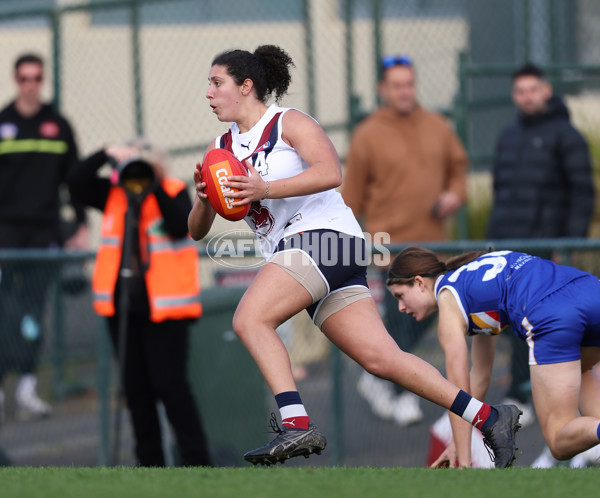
(543, 185)
(37, 153)
(543, 188)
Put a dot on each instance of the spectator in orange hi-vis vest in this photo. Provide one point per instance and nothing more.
(146, 273)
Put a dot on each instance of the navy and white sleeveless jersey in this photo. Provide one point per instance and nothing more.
(273, 219)
(500, 288)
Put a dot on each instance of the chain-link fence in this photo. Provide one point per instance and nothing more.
(121, 68)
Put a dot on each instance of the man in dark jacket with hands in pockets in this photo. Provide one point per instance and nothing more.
(543, 185)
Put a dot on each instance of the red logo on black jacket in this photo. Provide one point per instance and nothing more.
(49, 129)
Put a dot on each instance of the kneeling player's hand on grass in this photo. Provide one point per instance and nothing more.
(448, 458)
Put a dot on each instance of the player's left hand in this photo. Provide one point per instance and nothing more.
(250, 188)
(199, 184)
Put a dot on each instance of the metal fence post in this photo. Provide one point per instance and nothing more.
(352, 98)
(59, 334)
(55, 23)
(527, 29)
(137, 72)
(104, 357)
(337, 403)
(377, 36)
(461, 103)
(310, 60)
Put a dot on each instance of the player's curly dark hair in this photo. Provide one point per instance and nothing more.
(268, 68)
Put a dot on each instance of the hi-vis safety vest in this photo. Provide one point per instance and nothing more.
(172, 276)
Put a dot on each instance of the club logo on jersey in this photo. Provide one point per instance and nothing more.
(49, 129)
(8, 131)
(262, 219)
(486, 323)
(263, 147)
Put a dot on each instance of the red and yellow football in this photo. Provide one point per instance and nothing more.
(218, 164)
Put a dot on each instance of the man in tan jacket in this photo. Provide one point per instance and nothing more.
(405, 174)
(406, 168)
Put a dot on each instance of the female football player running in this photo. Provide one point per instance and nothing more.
(316, 256)
(553, 308)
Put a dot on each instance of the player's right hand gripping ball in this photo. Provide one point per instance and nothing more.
(218, 164)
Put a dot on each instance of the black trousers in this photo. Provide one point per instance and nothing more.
(23, 293)
(156, 370)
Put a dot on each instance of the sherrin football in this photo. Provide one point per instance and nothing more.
(218, 164)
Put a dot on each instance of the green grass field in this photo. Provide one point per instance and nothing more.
(310, 482)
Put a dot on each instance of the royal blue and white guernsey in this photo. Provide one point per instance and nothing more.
(500, 288)
(274, 159)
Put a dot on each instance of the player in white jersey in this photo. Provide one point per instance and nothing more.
(553, 308)
(316, 256)
(275, 218)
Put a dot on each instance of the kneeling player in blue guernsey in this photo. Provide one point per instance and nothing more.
(554, 308)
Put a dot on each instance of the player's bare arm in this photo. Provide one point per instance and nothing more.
(482, 361)
(310, 141)
(452, 331)
(202, 215)
(451, 334)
